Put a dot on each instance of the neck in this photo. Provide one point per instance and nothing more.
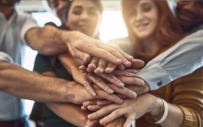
(150, 46)
(7, 11)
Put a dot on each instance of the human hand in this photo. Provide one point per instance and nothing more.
(83, 95)
(99, 65)
(83, 47)
(131, 108)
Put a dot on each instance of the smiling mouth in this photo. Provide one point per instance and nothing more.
(142, 26)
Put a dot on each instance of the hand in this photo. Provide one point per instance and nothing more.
(117, 122)
(83, 47)
(132, 84)
(99, 66)
(83, 95)
(131, 108)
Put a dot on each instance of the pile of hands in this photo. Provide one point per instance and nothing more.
(114, 95)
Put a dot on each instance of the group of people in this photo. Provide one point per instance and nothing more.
(84, 82)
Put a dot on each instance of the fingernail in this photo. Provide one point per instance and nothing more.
(131, 74)
(89, 116)
(102, 122)
(121, 84)
(110, 91)
(85, 103)
(119, 60)
(128, 63)
(93, 93)
(134, 95)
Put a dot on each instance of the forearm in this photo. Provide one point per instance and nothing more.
(47, 40)
(22, 83)
(71, 64)
(182, 59)
(70, 112)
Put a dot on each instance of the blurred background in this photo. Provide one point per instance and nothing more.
(112, 27)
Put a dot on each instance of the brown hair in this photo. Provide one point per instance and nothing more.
(168, 30)
(67, 8)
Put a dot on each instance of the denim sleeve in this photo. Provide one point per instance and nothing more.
(182, 59)
(5, 57)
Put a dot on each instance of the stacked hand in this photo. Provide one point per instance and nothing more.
(106, 84)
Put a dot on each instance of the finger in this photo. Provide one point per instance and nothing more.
(131, 80)
(92, 123)
(84, 107)
(93, 64)
(123, 91)
(124, 73)
(98, 81)
(87, 103)
(111, 97)
(101, 52)
(110, 67)
(94, 107)
(83, 71)
(89, 89)
(127, 56)
(104, 102)
(114, 115)
(120, 67)
(129, 121)
(117, 52)
(137, 64)
(82, 56)
(101, 66)
(82, 67)
(112, 79)
(134, 71)
(103, 112)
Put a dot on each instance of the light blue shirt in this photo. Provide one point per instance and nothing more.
(12, 46)
(182, 59)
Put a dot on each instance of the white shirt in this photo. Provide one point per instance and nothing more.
(12, 43)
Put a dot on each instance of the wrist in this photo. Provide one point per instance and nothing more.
(154, 108)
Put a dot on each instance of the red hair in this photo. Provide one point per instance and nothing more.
(168, 29)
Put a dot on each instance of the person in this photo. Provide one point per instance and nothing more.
(173, 63)
(18, 30)
(153, 29)
(57, 7)
(83, 16)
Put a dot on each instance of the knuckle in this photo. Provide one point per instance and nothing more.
(117, 112)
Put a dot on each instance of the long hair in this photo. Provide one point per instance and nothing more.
(168, 29)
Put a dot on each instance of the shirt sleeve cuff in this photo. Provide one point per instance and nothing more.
(156, 77)
(5, 57)
(189, 118)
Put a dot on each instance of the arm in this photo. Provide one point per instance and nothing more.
(22, 83)
(77, 117)
(180, 60)
(50, 41)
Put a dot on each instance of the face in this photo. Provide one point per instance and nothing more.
(9, 3)
(85, 17)
(58, 7)
(189, 13)
(143, 18)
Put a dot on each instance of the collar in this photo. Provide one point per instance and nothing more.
(13, 16)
